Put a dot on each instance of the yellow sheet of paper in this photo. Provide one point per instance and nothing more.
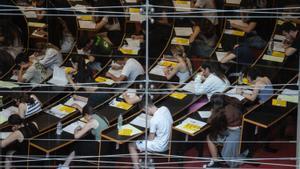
(245, 81)
(278, 54)
(123, 105)
(86, 18)
(167, 63)
(280, 103)
(129, 51)
(182, 2)
(125, 132)
(67, 109)
(36, 24)
(134, 10)
(68, 70)
(191, 127)
(100, 79)
(181, 41)
(238, 33)
(273, 58)
(178, 95)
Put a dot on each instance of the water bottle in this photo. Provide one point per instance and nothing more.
(270, 47)
(197, 84)
(240, 79)
(150, 164)
(59, 128)
(120, 121)
(141, 164)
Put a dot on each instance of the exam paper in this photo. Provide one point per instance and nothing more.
(140, 120)
(71, 101)
(183, 31)
(191, 125)
(158, 70)
(71, 127)
(204, 114)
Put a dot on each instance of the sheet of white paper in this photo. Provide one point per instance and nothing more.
(140, 120)
(133, 42)
(182, 6)
(132, 128)
(278, 46)
(114, 72)
(30, 14)
(136, 17)
(87, 24)
(131, 1)
(220, 55)
(80, 8)
(237, 2)
(6, 84)
(158, 70)
(204, 114)
(71, 101)
(4, 135)
(190, 121)
(14, 77)
(232, 93)
(8, 111)
(71, 127)
(279, 37)
(183, 31)
(59, 77)
(189, 87)
(289, 95)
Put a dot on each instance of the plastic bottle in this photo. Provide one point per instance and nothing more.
(59, 128)
(270, 47)
(240, 79)
(120, 122)
(150, 164)
(197, 84)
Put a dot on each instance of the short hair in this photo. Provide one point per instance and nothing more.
(253, 74)
(287, 27)
(217, 101)
(15, 119)
(146, 103)
(87, 110)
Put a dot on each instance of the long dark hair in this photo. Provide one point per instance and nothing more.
(214, 68)
(25, 98)
(83, 74)
(218, 124)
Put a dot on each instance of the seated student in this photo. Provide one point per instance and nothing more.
(32, 72)
(212, 79)
(263, 88)
(80, 72)
(131, 69)
(225, 130)
(49, 55)
(40, 13)
(183, 68)
(66, 39)
(20, 132)
(292, 43)
(160, 132)
(95, 124)
(208, 4)
(27, 105)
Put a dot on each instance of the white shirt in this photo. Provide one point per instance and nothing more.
(213, 84)
(161, 125)
(51, 58)
(132, 69)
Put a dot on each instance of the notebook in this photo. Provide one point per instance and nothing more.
(191, 125)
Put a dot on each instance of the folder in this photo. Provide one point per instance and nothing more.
(234, 32)
(123, 105)
(180, 41)
(178, 95)
(279, 103)
(167, 63)
(66, 109)
(104, 80)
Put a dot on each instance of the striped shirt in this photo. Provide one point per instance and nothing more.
(33, 108)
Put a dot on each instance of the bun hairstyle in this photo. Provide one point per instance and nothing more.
(15, 119)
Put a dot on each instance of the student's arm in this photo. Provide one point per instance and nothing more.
(24, 77)
(21, 110)
(79, 132)
(80, 98)
(102, 23)
(35, 98)
(11, 138)
(253, 96)
(71, 81)
(170, 73)
(228, 57)
(193, 36)
(290, 51)
(114, 78)
(246, 27)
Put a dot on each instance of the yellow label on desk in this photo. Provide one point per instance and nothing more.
(125, 132)
(191, 127)
(178, 95)
(134, 10)
(278, 54)
(86, 18)
(181, 41)
(280, 103)
(167, 63)
(69, 70)
(245, 81)
(67, 109)
(129, 51)
(182, 2)
(36, 24)
(100, 79)
(238, 33)
(123, 105)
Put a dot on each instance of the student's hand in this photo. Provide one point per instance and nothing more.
(78, 128)
(24, 66)
(75, 105)
(108, 75)
(191, 39)
(236, 46)
(239, 91)
(14, 128)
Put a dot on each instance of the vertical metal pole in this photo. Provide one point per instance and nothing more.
(298, 120)
(147, 76)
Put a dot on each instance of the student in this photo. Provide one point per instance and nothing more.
(50, 55)
(292, 43)
(183, 68)
(21, 131)
(212, 79)
(263, 88)
(160, 132)
(32, 72)
(208, 4)
(130, 70)
(66, 40)
(40, 13)
(225, 130)
(95, 124)
(80, 72)
(27, 105)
